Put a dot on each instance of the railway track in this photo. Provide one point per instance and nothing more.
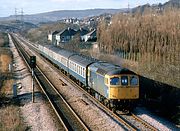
(69, 120)
(129, 122)
(138, 123)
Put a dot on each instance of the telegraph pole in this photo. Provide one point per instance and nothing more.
(33, 66)
(128, 7)
(16, 14)
(22, 17)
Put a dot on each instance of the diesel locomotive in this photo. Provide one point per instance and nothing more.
(115, 86)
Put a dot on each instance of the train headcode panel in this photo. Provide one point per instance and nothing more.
(33, 61)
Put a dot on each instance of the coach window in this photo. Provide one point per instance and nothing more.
(75, 67)
(78, 69)
(83, 72)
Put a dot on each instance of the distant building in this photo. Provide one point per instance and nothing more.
(72, 20)
(50, 36)
(68, 34)
(65, 35)
(82, 32)
(53, 37)
(91, 36)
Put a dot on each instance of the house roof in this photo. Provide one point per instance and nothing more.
(92, 33)
(82, 31)
(55, 32)
(67, 32)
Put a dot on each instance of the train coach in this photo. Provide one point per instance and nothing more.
(116, 87)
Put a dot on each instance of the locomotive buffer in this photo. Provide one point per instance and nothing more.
(33, 66)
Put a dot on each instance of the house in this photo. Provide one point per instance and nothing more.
(50, 36)
(65, 36)
(53, 37)
(72, 20)
(91, 36)
(82, 32)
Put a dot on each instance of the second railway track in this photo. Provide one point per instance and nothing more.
(68, 118)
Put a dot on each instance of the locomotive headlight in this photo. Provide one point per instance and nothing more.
(124, 80)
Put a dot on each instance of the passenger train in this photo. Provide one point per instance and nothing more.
(115, 86)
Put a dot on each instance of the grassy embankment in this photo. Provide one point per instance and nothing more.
(10, 118)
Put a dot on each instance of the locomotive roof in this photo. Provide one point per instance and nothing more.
(104, 68)
(80, 59)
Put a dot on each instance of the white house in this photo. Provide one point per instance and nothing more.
(91, 36)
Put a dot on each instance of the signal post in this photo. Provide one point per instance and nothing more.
(33, 66)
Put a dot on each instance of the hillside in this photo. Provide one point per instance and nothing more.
(58, 15)
(15, 26)
(173, 4)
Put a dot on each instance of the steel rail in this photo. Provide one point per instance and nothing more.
(146, 124)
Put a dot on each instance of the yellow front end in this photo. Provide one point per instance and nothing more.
(124, 92)
(123, 87)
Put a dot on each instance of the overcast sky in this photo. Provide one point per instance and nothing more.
(7, 7)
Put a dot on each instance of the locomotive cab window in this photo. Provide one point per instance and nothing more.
(133, 80)
(124, 80)
(115, 81)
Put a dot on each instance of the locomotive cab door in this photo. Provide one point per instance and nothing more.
(93, 80)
